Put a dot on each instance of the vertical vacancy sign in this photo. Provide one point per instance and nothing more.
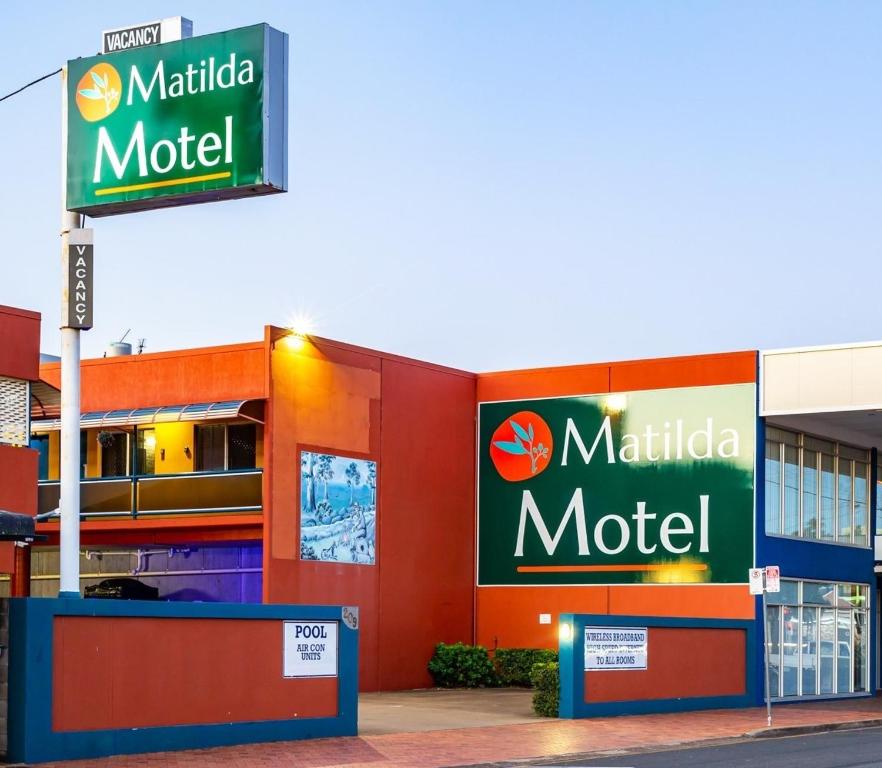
(189, 121)
(77, 303)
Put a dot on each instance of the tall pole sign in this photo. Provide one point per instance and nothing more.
(154, 124)
(191, 121)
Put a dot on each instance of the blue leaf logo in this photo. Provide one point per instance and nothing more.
(521, 446)
(516, 448)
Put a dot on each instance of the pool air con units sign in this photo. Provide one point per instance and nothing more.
(649, 487)
(190, 121)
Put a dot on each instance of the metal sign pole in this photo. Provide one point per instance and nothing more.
(69, 498)
(766, 647)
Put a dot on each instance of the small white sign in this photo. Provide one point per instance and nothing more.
(545, 618)
(615, 648)
(755, 577)
(309, 649)
(148, 33)
(773, 578)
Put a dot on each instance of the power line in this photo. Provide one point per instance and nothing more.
(33, 82)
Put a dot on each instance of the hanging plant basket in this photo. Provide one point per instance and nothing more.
(106, 439)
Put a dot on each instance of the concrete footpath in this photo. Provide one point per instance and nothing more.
(432, 729)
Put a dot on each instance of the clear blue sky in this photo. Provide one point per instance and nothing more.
(496, 184)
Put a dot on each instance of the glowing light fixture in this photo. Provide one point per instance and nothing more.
(565, 631)
(301, 327)
(613, 404)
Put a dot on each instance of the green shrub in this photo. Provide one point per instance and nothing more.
(462, 666)
(513, 665)
(546, 683)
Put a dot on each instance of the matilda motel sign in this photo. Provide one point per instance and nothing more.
(189, 121)
(628, 488)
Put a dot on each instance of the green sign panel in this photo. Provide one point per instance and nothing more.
(185, 122)
(651, 487)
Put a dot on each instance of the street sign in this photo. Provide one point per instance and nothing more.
(77, 297)
(755, 578)
(773, 578)
(192, 121)
(148, 33)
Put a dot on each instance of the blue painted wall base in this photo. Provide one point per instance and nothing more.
(572, 668)
(32, 740)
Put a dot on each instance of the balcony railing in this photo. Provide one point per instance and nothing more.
(194, 493)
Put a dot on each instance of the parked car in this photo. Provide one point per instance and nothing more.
(122, 589)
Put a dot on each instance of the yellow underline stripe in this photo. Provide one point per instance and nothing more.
(164, 183)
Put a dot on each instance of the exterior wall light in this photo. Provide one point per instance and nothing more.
(615, 404)
(565, 631)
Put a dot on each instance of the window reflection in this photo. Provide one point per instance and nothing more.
(818, 639)
(816, 489)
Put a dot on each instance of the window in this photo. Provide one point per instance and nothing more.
(843, 475)
(816, 489)
(810, 480)
(40, 443)
(773, 486)
(861, 499)
(114, 454)
(210, 448)
(818, 639)
(828, 496)
(145, 458)
(225, 446)
(879, 499)
(791, 490)
(241, 446)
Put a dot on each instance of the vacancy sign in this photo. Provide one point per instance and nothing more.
(310, 649)
(148, 33)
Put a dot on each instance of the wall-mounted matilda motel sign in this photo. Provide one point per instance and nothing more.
(627, 488)
(184, 122)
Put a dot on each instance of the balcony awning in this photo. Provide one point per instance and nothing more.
(228, 409)
(45, 400)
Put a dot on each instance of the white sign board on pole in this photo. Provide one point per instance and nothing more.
(773, 578)
(610, 648)
(755, 578)
(309, 649)
(147, 33)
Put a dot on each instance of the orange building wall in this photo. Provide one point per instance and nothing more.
(417, 422)
(686, 663)
(169, 378)
(202, 671)
(509, 616)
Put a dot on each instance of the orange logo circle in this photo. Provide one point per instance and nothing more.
(521, 446)
(99, 92)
